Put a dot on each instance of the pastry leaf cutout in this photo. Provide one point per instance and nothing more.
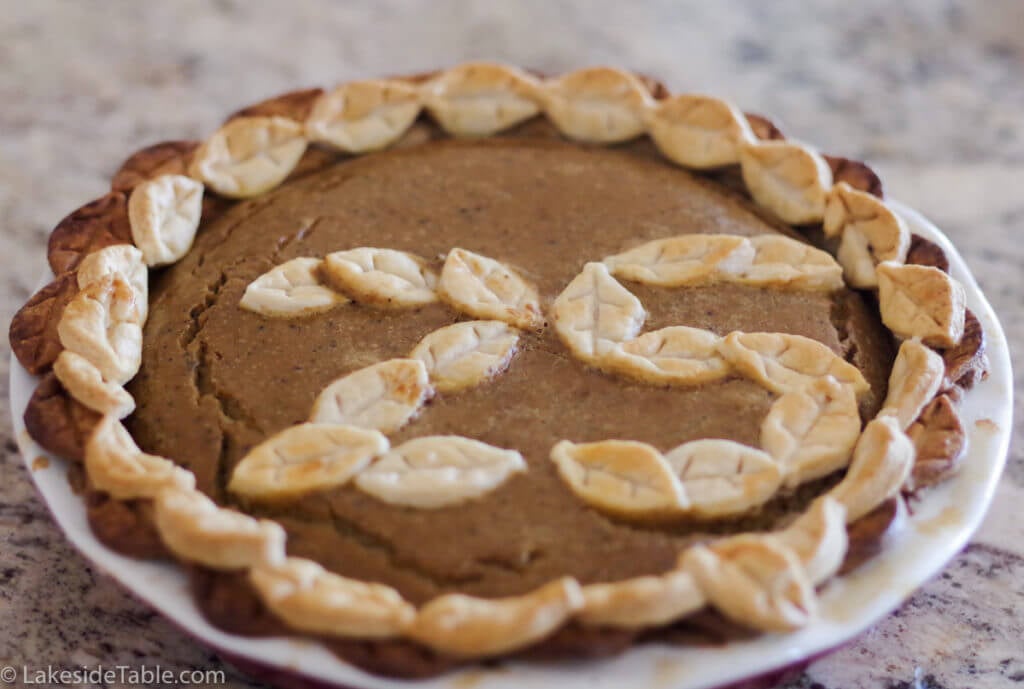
(915, 379)
(382, 277)
(812, 431)
(310, 598)
(484, 288)
(463, 626)
(102, 323)
(164, 214)
(786, 363)
(754, 581)
(786, 263)
(787, 178)
(465, 354)
(722, 477)
(922, 302)
(382, 397)
(249, 155)
(818, 538)
(305, 458)
(676, 355)
(699, 131)
(118, 467)
(438, 471)
(620, 477)
(689, 259)
(882, 461)
(363, 116)
(598, 104)
(290, 290)
(595, 313)
(480, 99)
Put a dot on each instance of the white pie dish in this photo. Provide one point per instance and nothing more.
(942, 522)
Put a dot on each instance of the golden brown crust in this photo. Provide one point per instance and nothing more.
(925, 252)
(855, 173)
(764, 128)
(164, 158)
(940, 440)
(125, 526)
(33, 333)
(295, 105)
(58, 423)
(99, 223)
(967, 362)
(867, 535)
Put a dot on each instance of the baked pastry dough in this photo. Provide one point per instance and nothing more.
(125, 261)
(786, 363)
(812, 431)
(818, 537)
(754, 580)
(481, 98)
(641, 601)
(249, 156)
(788, 178)
(881, 464)
(921, 301)
(467, 627)
(722, 477)
(305, 458)
(484, 288)
(363, 116)
(784, 263)
(85, 383)
(676, 355)
(438, 471)
(594, 313)
(294, 288)
(119, 468)
(689, 259)
(621, 477)
(102, 323)
(915, 379)
(598, 104)
(698, 131)
(382, 277)
(466, 354)
(870, 233)
(308, 597)
(194, 528)
(164, 214)
(382, 397)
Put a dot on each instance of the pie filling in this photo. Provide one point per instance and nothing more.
(216, 380)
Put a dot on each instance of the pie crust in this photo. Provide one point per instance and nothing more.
(87, 326)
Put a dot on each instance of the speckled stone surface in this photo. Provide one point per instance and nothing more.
(929, 91)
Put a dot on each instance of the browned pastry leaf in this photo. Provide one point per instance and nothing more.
(33, 332)
(314, 159)
(869, 533)
(58, 423)
(577, 641)
(164, 158)
(764, 128)
(393, 658)
(229, 602)
(967, 362)
(855, 173)
(657, 89)
(295, 105)
(925, 252)
(125, 526)
(940, 440)
(97, 224)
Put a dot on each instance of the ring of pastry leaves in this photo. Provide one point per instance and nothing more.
(765, 581)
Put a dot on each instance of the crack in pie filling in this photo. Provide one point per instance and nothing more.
(483, 363)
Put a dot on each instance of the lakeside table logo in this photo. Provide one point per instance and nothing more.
(56, 676)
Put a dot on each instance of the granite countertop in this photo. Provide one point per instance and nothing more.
(928, 91)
